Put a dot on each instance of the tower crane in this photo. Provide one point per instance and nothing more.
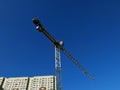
(59, 46)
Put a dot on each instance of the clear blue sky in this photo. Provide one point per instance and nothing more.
(90, 30)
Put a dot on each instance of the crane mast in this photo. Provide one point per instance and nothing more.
(58, 68)
(59, 47)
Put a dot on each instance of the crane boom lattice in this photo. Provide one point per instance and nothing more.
(59, 46)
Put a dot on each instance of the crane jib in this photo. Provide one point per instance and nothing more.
(55, 42)
(59, 46)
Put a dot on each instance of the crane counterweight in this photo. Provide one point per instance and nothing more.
(36, 21)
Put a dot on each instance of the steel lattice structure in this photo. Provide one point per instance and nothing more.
(59, 47)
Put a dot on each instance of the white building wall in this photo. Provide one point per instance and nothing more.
(17, 83)
(42, 83)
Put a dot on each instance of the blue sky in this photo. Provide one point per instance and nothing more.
(89, 28)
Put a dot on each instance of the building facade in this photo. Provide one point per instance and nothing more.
(17, 83)
(29, 83)
(42, 83)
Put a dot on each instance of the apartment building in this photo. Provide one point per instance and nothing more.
(17, 83)
(29, 83)
(42, 83)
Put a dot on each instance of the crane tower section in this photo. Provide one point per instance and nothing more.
(58, 68)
